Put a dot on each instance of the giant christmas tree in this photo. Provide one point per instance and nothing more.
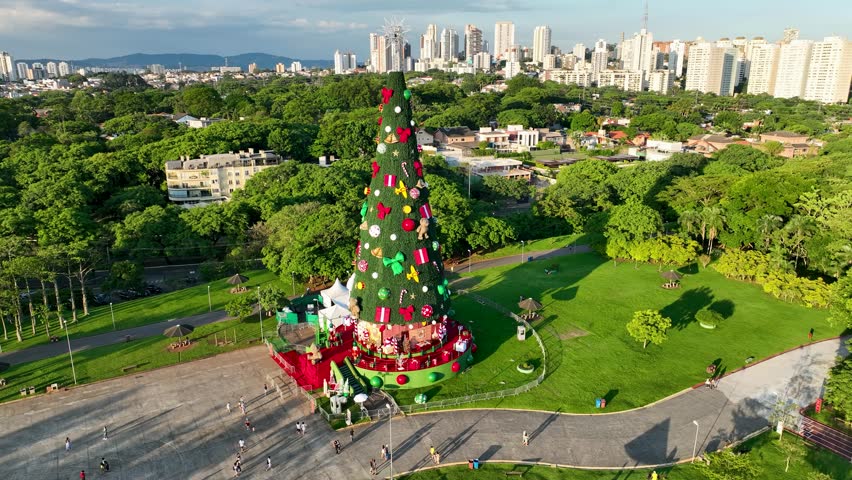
(404, 335)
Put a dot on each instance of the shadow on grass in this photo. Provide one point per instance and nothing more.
(682, 311)
(725, 308)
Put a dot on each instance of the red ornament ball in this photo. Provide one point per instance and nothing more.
(473, 348)
(362, 265)
(426, 311)
(401, 379)
(456, 366)
(408, 225)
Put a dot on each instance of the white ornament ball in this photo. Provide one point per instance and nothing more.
(425, 289)
(387, 128)
(382, 148)
(377, 192)
(375, 231)
(393, 237)
(396, 109)
(412, 123)
(411, 326)
(367, 246)
(375, 275)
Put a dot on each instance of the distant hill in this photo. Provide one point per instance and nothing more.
(189, 61)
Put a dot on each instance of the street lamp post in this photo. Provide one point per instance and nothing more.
(112, 314)
(469, 172)
(469, 258)
(695, 444)
(209, 302)
(522, 251)
(390, 441)
(70, 355)
(293, 277)
(260, 312)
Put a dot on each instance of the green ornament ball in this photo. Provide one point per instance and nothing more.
(384, 293)
(407, 94)
(434, 377)
(376, 382)
(420, 398)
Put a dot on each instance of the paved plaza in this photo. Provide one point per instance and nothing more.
(172, 424)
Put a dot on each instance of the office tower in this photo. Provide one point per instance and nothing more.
(793, 61)
(830, 71)
(378, 53)
(472, 41)
(541, 43)
(7, 67)
(504, 38)
(52, 70)
(429, 48)
(677, 53)
(449, 44)
(600, 56)
(712, 69)
(579, 52)
(22, 68)
(64, 69)
(763, 67)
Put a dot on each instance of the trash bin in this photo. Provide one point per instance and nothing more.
(603, 403)
(597, 403)
(470, 464)
(529, 259)
(476, 464)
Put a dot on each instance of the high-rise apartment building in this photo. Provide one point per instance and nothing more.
(22, 68)
(280, 68)
(64, 69)
(52, 70)
(252, 68)
(472, 42)
(344, 62)
(600, 56)
(763, 67)
(504, 38)
(429, 46)
(482, 61)
(677, 54)
(296, 66)
(549, 62)
(712, 69)
(830, 71)
(622, 79)
(793, 61)
(449, 44)
(36, 71)
(541, 43)
(637, 52)
(378, 53)
(660, 81)
(579, 52)
(7, 67)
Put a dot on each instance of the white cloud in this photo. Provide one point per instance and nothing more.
(20, 16)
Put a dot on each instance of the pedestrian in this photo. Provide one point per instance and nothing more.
(268, 463)
(228, 407)
(304, 429)
(239, 460)
(811, 335)
(432, 453)
(67, 444)
(373, 470)
(237, 469)
(437, 458)
(248, 425)
(104, 465)
(384, 452)
(265, 389)
(716, 383)
(336, 447)
(708, 383)
(106, 433)
(352, 435)
(242, 407)
(299, 428)
(242, 444)
(526, 438)
(82, 475)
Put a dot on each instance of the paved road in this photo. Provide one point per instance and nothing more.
(171, 424)
(47, 350)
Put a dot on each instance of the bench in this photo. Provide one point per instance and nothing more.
(129, 367)
(52, 388)
(514, 474)
(2, 382)
(32, 390)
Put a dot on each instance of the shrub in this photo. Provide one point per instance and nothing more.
(709, 318)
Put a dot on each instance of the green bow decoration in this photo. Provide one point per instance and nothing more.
(395, 263)
(442, 288)
(363, 210)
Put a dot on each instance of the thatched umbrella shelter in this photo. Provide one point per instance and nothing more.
(237, 279)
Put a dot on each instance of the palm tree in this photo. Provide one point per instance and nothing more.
(768, 225)
(797, 230)
(690, 221)
(713, 219)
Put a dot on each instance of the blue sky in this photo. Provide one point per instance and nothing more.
(72, 29)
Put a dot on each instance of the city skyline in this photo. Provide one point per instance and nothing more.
(77, 29)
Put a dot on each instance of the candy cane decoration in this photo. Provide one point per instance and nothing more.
(402, 295)
(436, 266)
(405, 168)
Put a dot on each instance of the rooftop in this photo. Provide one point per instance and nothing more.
(456, 131)
(784, 133)
(230, 159)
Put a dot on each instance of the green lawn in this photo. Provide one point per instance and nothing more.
(142, 311)
(148, 353)
(531, 246)
(586, 307)
(765, 450)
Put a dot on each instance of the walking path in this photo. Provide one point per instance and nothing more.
(171, 423)
(43, 351)
(47, 350)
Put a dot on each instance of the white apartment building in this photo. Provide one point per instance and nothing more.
(622, 79)
(482, 61)
(712, 69)
(660, 81)
(600, 56)
(582, 78)
(830, 71)
(504, 38)
(579, 52)
(793, 61)
(472, 42)
(21, 68)
(677, 54)
(7, 67)
(296, 67)
(449, 44)
(213, 178)
(637, 52)
(378, 53)
(344, 62)
(429, 46)
(763, 67)
(549, 62)
(512, 69)
(64, 69)
(541, 43)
